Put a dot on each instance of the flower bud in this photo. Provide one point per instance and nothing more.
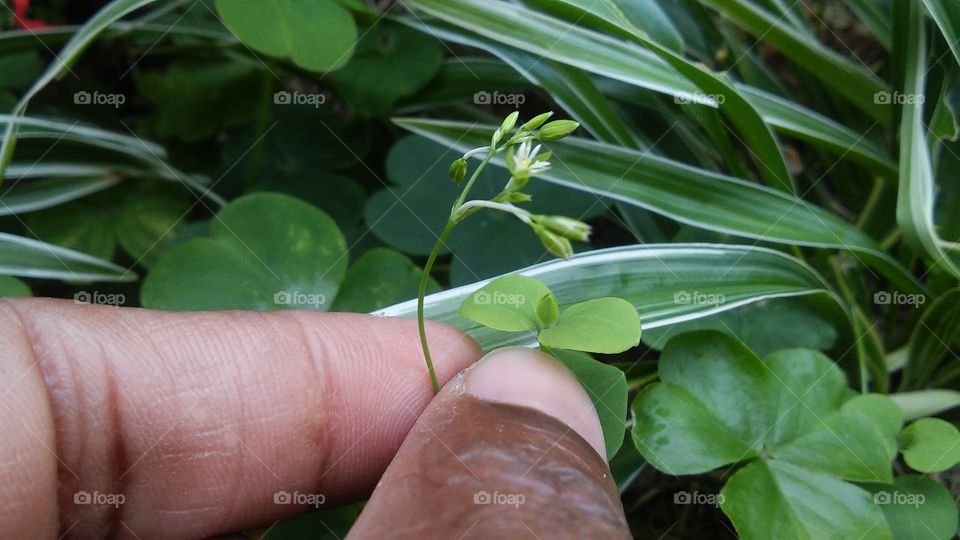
(516, 197)
(566, 227)
(536, 121)
(548, 310)
(555, 244)
(509, 122)
(458, 170)
(558, 129)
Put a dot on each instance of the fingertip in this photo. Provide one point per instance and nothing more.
(530, 378)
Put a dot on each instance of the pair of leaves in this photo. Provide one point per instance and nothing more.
(518, 304)
(270, 251)
(605, 325)
(789, 417)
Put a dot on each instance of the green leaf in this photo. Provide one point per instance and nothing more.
(149, 219)
(607, 387)
(67, 56)
(916, 198)
(925, 402)
(847, 77)
(317, 35)
(508, 304)
(380, 277)
(718, 403)
(930, 445)
(775, 499)
(765, 327)
(947, 16)
(548, 311)
(600, 325)
(11, 287)
(196, 99)
(917, 508)
(29, 258)
(676, 190)
(265, 251)
(391, 62)
(556, 39)
(30, 196)
(933, 342)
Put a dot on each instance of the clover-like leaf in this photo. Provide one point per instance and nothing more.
(318, 35)
(265, 251)
(601, 325)
(379, 278)
(776, 499)
(508, 303)
(607, 387)
(930, 445)
(408, 59)
(790, 416)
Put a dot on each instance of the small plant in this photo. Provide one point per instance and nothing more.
(524, 161)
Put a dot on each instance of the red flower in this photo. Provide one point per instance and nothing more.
(20, 8)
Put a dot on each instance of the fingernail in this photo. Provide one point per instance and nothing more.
(529, 378)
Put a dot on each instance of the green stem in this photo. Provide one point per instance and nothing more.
(434, 253)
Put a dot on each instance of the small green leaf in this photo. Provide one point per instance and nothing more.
(916, 508)
(602, 325)
(607, 387)
(379, 278)
(930, 445)
(318, 35)
(548, 310)
(775, 499)
(11, 287)
(508, 304)
(265, 251)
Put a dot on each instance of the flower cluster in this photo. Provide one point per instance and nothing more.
(524, 160)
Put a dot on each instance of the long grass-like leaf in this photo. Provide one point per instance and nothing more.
(657, 279)
(72, 51)
(24, 257)
(946, 13)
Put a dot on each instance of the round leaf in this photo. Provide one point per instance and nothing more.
(930, 445)
(11, 287)
(917, 507)
(508, 303)
(317, 35)
(265, 251)
(602, 325)
(379, 278)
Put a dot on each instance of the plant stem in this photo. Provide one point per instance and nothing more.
(434, 253)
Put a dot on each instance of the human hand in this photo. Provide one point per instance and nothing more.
(193, 422)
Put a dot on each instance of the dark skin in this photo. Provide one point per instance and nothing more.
(199, 419)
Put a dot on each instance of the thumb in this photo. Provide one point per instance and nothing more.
(511, 448)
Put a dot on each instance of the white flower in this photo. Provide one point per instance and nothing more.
(527, 162)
